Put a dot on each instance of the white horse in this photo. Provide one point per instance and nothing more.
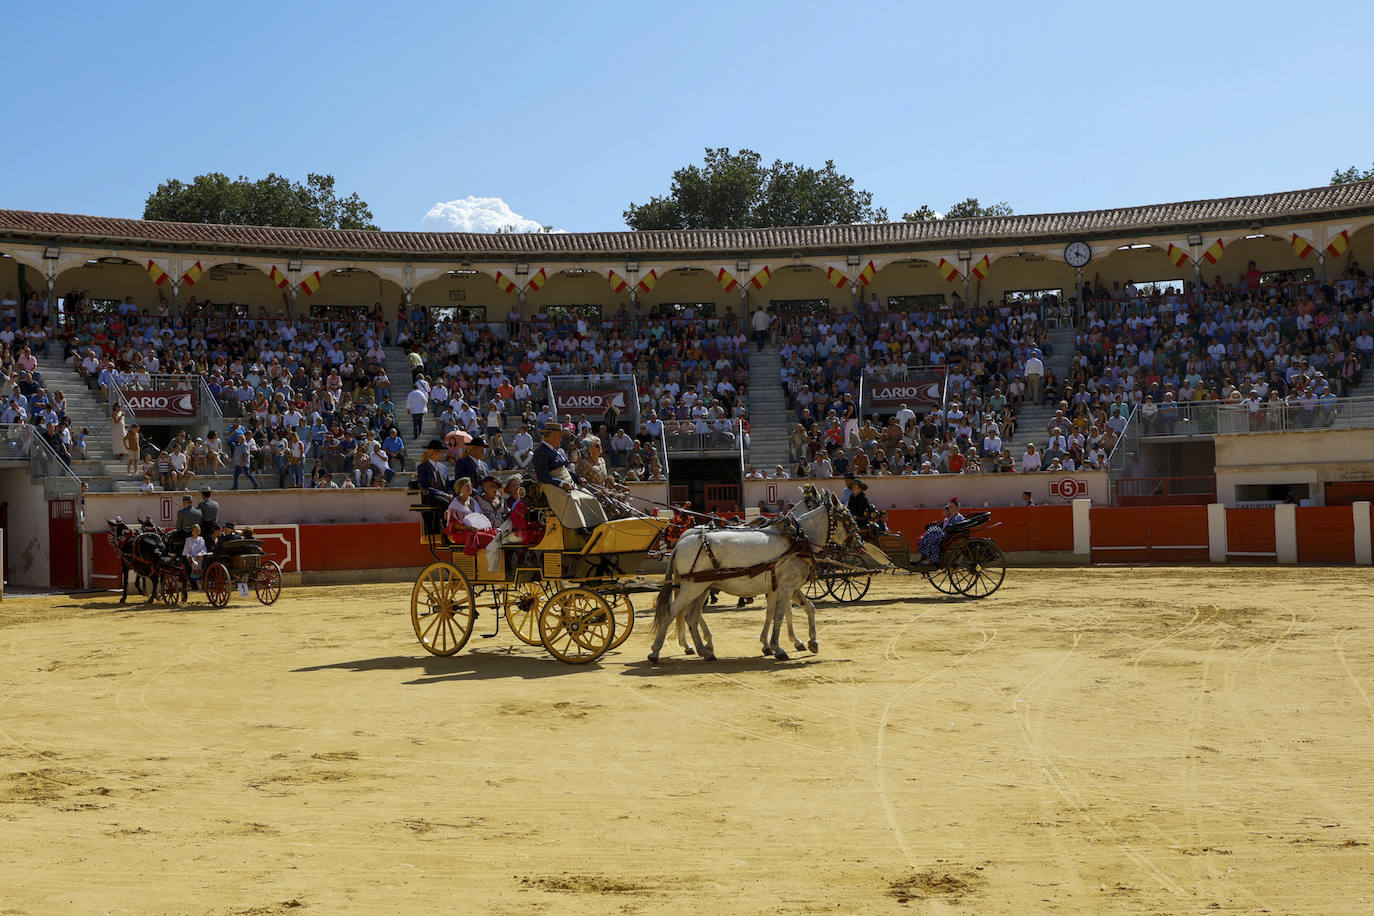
(695, 622)
(773, 561)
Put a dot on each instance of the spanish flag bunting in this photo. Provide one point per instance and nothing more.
(279, 278)
(727, 280)
(837, 278)
(948, 270)
(537, 280)
(505, 283)
(311, 282)
(1301, 247)
(157, 273)
(1339, 244)
(1177, 256)
(647, 281)
(192, 275)
(1213, 254)
(760, 279)
(618, 283)
(982, 268)
(866, 275)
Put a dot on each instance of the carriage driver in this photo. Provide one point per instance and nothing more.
(574, 508)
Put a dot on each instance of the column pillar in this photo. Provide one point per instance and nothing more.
(1364, 556)
(1216, 533)
(1082, 527)
(1286, 533)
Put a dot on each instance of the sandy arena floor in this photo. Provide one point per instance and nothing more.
(1085, 741)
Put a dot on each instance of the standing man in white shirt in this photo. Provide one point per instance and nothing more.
(1035, 376)
(417, 403)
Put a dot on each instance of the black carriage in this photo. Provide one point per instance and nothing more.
(968, 565)
(240, 562)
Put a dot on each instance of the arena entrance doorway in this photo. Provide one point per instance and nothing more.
(712, 484)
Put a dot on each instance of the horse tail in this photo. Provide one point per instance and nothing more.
(663, 608)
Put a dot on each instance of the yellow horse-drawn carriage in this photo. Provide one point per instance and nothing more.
(566, 592)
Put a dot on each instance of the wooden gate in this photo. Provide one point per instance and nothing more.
(64, 545)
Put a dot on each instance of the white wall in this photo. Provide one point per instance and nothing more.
(916, 492)
(27, 531)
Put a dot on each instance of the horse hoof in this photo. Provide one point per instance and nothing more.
(780, 655)
(814, 646)
(708, 657)
(767, 651)
(800, 646)
(653, 659)
(690, 651)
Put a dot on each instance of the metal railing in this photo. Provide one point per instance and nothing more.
(45, 464)
(207, 405)
(1165, 490)
(704, 436)
(1211, 418)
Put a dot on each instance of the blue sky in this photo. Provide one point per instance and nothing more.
(567, 112)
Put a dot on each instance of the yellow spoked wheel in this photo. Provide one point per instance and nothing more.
(576, 625)
(523, 603)
(441, 609)
(624, 611)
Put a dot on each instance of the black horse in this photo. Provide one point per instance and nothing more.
(142, 550)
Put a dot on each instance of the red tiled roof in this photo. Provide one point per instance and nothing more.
(1286, 206)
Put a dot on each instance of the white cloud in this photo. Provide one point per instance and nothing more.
(476, 214)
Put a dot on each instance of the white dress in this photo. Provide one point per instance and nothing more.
(117, 433)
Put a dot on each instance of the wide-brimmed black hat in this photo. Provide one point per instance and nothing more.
(477, 442)
(434, 445)
(853, 480)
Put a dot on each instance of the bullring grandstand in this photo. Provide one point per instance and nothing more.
(1181, 382)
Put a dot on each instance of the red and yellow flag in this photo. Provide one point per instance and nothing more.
(157, 273)
(982, 268)
(1177, 256)
(727, 280)
(647, 281)
(311, 282)
(868, 273)
(537, 280)
(1213, 254)
(1338, 245)
(760, 279)
(505, 283)
(192, 275)
(618, 283)
(1301, 247)
(837, 278)
(279, 278)
(948, 270)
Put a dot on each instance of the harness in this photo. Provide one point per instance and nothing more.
(798, 545)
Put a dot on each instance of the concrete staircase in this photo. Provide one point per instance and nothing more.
(1033, 418)
(769, 418)
(398, 371)
(86, 409)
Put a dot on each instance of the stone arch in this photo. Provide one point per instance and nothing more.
(114, 278)
(355, 287)
(467, 287)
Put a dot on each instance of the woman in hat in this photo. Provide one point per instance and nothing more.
(935, 532)
(464, 522)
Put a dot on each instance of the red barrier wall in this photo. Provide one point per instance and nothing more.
(1326, 534)
(1158, 534)
(1250, 535)
(1015, 529)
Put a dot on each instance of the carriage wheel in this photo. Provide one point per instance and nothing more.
(172, 587)
(267, 581)
(850, 588)
(441, 609)
(816, 588)
(218, 584)
(978, 567)
(941, 576)
(624, 611)
(522, 610)
(576, 625)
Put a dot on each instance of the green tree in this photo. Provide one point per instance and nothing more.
(737, 191)
(964, 209)
(1345, 176)
(270, 201)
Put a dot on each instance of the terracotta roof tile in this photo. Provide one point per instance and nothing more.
(1198, 214)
